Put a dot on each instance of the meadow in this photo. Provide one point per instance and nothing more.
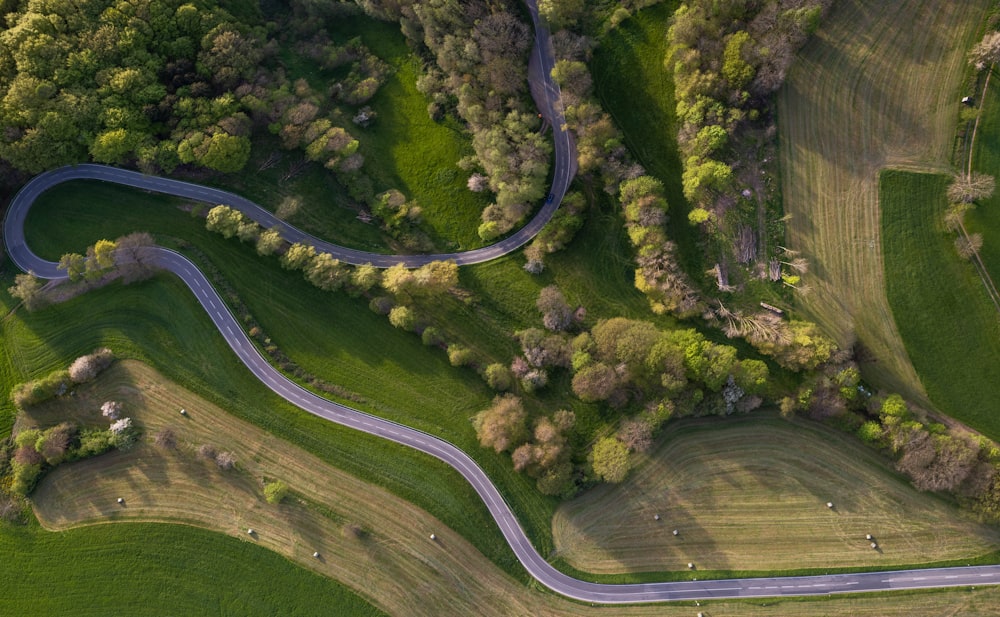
(635, 87)
(949, 325)
(404, 149)
(146, 569)
(865, 94)
(749, 494)
(386, 559)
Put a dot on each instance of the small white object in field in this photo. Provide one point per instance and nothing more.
(676, 533)
(656, 517)
(874, 545)
(316, 554)
(868, 536)
(829, 504)
(184, 412)
(690, 566)
(250, 531)
(120, 500)
(433, 537)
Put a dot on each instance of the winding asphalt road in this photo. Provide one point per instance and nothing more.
(546, 94)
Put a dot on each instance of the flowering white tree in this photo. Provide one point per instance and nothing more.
(123, 433)
(225, 460)
(111, 409)
(478, 183)
(121, 426)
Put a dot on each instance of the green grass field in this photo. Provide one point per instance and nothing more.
(949, 325)
(749, 494)
(154, 570)
(403, 149)
(393, 562)
(865, 94)
(160, 323)
(635, 87)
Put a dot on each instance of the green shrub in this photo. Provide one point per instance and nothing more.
(403, 317)
(27, 437)
(42, 389)
(459, 355)
(871, 432)
(92, 443)
(431, 336)
(54, 443)
(498, 377)
(24, 477)
(275, 492)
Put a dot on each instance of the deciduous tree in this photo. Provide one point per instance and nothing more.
(610, 460)
(503, 425)
(28, 289)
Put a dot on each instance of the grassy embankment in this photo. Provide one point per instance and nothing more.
(635, 87)
(863, 95)
(329, 334)
(949, 325)
(749, 494)
(403, 149)
(368, 538)
(187, 570)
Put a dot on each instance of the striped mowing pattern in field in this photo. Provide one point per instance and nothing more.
(876, 87)
(750, 493)
(394, 564)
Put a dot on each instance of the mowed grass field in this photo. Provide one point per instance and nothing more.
(328, 334)
(877, 86)
(154, 570)
(750, 493)
(391, 560)
(950, 326)
(186, 571)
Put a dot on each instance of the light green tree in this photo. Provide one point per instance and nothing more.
(610, 460)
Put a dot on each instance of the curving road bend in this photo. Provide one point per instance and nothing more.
(546, 94)
(544, 90)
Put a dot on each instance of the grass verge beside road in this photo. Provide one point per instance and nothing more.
(949, 325)
(749, 494)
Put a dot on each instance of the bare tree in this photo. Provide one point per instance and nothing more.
(986, 51)
(557, 315)
(225, 460)
(165, 438)
(967, 188)
(637, 434)
(968, 245)
(134, 257)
